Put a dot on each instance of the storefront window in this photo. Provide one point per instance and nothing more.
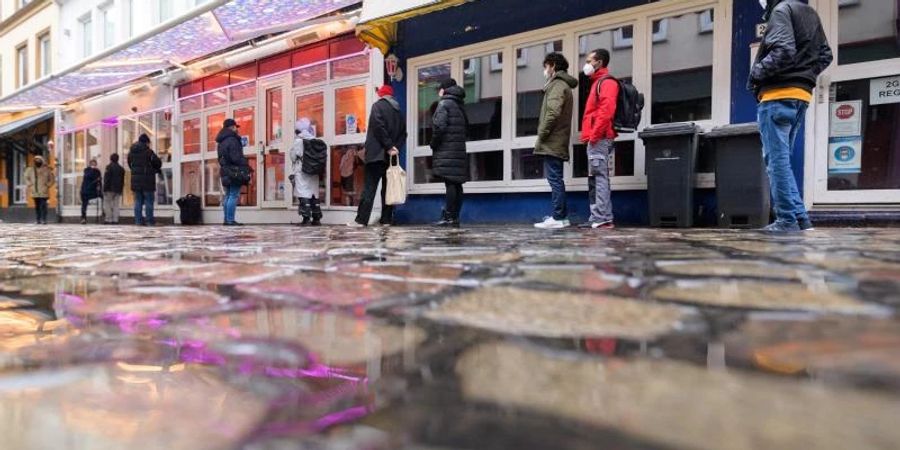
(145, 126)
(164, 133)
(69, 192)
(213, 126)
(129, 137)
(312, 107)
(192, 104)
(164, 187)
(274, 177)
(246, 118)
(348, 67)
(191, 177)
(429, 79)
(867, 31)
(274, 116)
(621, 162)
(248, 193)
(215, 98)
(618, 42)
(347, 174)
(95, 151)
(307, 76)
(80, 151)
(350, 110)
(212, 192)
(530, 83)
(77, 194)
(483, 83)
(191, 132)
(245, 91)
(486, 166)
(423, 173)
(68, 153)
(527, 165)
(864, 147)
(682, 81)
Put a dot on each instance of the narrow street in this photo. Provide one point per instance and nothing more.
(279, 337)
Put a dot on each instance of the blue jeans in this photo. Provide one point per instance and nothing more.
(144, 200)
(232, 194)
(779, 124)
(553, 170)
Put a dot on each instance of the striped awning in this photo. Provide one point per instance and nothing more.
(378, 23)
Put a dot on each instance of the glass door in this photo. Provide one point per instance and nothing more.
(857, 133)
(19, 186)
(310, 105)
(277, 139)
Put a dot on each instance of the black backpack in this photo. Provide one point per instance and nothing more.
(315, 155)
(629, 106)
(191, 210)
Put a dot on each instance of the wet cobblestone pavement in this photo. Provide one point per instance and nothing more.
(488, 338)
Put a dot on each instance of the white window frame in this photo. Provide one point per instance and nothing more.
(107, 25)
(85, 30)
(642, 19)
(707, 21)
(46, 60)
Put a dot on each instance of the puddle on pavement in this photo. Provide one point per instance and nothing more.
(413, 338)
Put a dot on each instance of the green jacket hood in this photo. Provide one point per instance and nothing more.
(569, 79)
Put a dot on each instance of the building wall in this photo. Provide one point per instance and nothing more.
(41, 17)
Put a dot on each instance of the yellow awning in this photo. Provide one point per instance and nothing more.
(378, 22)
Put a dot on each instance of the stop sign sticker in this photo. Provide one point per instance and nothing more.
(845, 111)
(846, 119)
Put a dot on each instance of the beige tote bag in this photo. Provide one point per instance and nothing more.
(396, 183)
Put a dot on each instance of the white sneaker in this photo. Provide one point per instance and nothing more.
(355, 224)
(608, 225)
(550, 223)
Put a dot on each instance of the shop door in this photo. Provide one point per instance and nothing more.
(857, 114)
(19, 186)
(310, 105)
(277, 138)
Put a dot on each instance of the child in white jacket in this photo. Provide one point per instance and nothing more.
(308, 156)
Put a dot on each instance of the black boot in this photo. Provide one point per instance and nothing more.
(316, 212)
(305, 211)
(446, 220)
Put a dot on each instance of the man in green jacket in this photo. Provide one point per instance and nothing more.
(554, 133)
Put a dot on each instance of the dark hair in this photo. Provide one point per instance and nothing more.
(602, 55)
(557, 60)
(114, 157)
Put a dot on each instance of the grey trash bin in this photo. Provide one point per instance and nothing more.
(742, 185)
(671, 156)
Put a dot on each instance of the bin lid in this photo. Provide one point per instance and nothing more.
(669, 129)
(732, 130)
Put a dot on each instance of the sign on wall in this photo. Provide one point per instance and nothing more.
(883, 91)
(845, 155)
(846, 119)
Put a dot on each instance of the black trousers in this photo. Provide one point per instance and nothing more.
(40, 209)
(375, 173)
(454, 199)
(84, 205)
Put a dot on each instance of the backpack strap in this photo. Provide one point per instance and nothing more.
(600, 83)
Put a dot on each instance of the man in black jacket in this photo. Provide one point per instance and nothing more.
(793, 52)
(386, 133)
(113, 184)
(144, 165)
(232, 165)
(91, 187)
(450, 162)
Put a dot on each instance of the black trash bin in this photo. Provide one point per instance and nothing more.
(671, 155)
(742, 185)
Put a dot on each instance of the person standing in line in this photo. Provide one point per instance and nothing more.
(91, 187)
(113, 184)
(554, 135)
(793, 52)
(598, 133)
(144, 165)
(450, 162)
(230, 149)
(386, 133)
(39, 179)
(308, 158)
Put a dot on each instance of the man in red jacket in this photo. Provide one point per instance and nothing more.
(597, 132)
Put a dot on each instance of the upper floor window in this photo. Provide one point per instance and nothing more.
(166, 10)
(107, 25)
(21, 65)
(44, 55)
(22, 3)
(87, 30)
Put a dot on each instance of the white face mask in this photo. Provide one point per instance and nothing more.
(547, 73)
(588, 69)
(764, 3)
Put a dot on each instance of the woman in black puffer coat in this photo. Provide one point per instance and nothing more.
(450, 162)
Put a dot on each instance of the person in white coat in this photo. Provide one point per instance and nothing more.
(308, 156)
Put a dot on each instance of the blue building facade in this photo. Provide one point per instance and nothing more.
(656, 35)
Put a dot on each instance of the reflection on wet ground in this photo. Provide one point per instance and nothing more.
(495, 337)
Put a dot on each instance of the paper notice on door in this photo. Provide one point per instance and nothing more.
(884, 90)
(846, 119)
(845, 155)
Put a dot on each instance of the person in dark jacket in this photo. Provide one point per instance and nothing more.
(144, 165)
(554, 134)
(91, 187)
(113, 184)
(793, 52)
(450, 162)
(230, 151)
(386, 134)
